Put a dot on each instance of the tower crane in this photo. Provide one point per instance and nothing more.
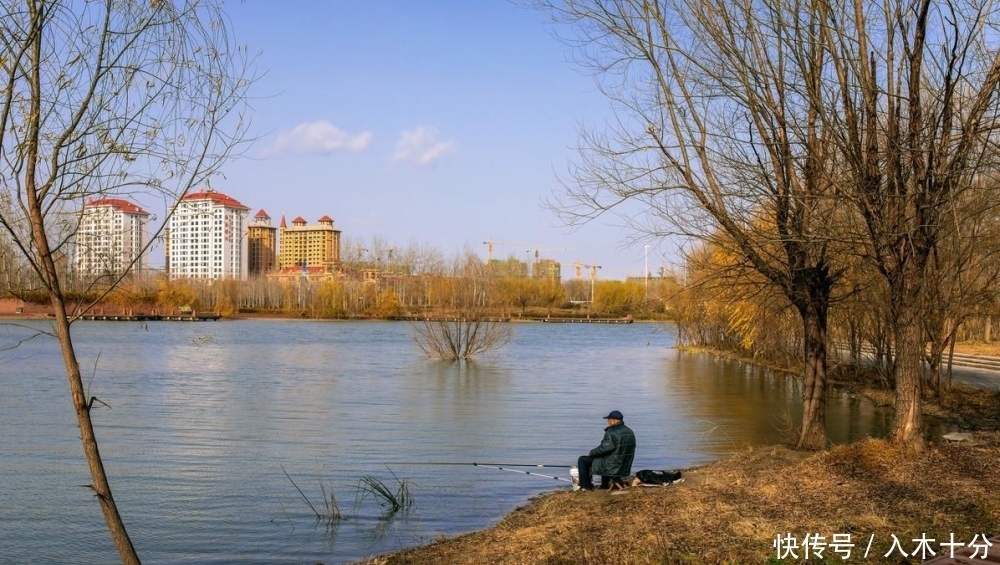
(490, 244)
(593, 270)
(593, 275)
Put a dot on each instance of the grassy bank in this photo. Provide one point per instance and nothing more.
(731, 511)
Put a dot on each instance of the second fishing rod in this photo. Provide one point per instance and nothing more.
(497, 466)
(475, 464)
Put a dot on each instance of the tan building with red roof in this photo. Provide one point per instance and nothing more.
(262, 247)
(111, 238)
(309, 248)
(206, 237)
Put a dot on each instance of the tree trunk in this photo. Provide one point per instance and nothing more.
(907, 429)
(951, 359)
(854, 342)
(813, 434)
(100, 485)
(935, 358)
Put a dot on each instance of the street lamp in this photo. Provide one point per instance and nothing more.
(303, 283)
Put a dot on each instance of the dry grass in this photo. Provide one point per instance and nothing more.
(730, 512)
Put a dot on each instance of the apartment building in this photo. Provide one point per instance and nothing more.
(546, 269)
(207, 237)
(313, 247)
(111, 238)
(262, 245)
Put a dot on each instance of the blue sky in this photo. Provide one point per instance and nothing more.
(439, 123)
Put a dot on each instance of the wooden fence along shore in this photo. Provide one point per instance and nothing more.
(627, 320)
(12, 308)
(193, 317)
(587, 320)
(16, 308)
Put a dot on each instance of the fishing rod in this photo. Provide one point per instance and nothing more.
(499, 468)
(474, 464)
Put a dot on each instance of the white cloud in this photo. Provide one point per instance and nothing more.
(317, 138)
(421, 146)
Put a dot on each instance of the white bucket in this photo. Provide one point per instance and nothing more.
(574, 475)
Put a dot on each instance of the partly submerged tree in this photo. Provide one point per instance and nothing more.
(466, 328)
(462, 337)
(111, 98)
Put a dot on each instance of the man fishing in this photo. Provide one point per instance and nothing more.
(613, 458)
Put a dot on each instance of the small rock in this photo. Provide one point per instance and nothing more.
(958, 436)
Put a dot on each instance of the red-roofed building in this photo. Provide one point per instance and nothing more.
(111, 238)
(207, 237)
(262, 245)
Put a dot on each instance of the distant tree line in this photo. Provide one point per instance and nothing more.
(366, 290)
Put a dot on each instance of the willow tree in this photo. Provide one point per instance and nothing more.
(719, 138)
(107, 98)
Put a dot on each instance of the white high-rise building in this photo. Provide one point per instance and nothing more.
(206, 237)
(111, 238)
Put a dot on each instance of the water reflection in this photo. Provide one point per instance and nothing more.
(766, 406)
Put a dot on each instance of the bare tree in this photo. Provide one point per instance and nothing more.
(466, 328)
(719, 138)
(460, 337)
(913, 88)
(792, 127)
(108, 98)
(962, 277)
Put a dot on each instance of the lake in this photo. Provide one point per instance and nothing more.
(205, 422)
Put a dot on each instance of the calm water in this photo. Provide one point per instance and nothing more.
(206, 418)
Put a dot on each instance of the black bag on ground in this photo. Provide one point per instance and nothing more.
(657, 477)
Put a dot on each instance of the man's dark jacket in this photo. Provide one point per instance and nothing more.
(613, 458)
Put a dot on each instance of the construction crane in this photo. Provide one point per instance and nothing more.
(593, 277)
(593, 270)
(490, 244)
